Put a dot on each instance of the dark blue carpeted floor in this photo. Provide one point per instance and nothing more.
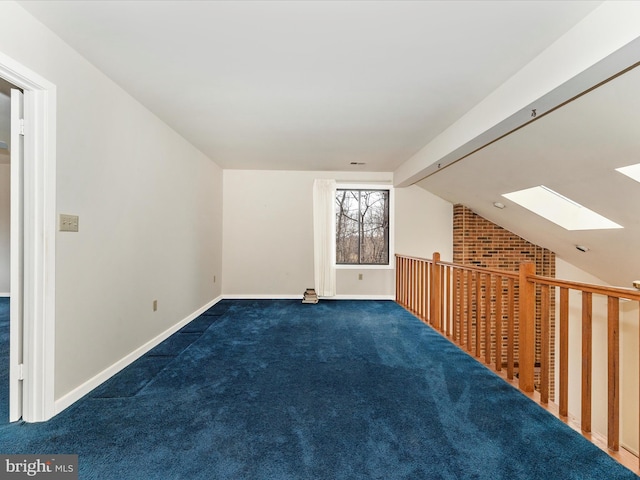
(337, 390)
(4, 357)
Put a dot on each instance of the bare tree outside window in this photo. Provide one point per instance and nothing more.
(362, 227)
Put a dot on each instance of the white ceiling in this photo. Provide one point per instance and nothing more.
(317, 85)
(310, 85)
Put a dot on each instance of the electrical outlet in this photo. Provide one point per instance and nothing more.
(359, 276)
(155, 305)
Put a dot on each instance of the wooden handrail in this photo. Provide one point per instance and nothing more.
(477, 307)
(618, 292)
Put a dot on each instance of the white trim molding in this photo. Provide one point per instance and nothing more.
(39, 238)
(261, 296)
(299, 297)
(361, 297)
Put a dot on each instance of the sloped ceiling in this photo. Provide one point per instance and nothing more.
(574, 151)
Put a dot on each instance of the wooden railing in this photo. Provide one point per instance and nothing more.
(492, 314)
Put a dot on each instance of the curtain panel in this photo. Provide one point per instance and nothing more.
(324, 237)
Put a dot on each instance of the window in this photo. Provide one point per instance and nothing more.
(362, 227)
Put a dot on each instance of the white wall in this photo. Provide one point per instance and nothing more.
(150, 208)
(628, 357)
(424, 224)
(5, 226)
(268, 233)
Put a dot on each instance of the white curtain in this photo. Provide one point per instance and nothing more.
(324, 237)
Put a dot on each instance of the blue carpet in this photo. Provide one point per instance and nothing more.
(337, 390)
(4, 357)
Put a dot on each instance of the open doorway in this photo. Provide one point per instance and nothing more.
(5, 240)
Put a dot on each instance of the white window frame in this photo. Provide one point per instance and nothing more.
(373, 186)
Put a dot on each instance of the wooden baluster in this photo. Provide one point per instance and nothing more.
(425, 297)
(443, 296)
(469, 310)
(424, 302)
(403, 282)
(436, 292)
(415, 301)
(499, 323)
(416, 273)
(398, 277)
(426, 271)
(544, 347)
(511, 320)
(478, 314)
(564, 351)
(427, 289)
(407, 282)
(414, 287)
(613, 349)
(420, 289)
(463, 307)
(487, 319)
(448, 324)
(526, 344)
(410, 285)
(455, 305)
(585, 421)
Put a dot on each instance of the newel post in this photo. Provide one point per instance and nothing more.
(526, 336)
(436, 292)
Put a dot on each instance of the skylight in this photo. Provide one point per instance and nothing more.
(559, 209)
(632, 171)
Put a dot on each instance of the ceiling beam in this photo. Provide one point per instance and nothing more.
(604, 43)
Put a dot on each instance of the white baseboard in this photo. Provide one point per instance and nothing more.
(260, 296)
(80, 391)
(299, 297)
(7, 294)
(360, 297)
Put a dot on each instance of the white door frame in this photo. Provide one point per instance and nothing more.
(39, 238)
(16, 284)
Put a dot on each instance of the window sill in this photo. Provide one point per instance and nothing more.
(365, 267)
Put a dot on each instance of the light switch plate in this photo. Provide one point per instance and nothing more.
(69, 223)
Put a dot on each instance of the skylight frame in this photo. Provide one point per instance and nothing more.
(631, 171)
(559, 209)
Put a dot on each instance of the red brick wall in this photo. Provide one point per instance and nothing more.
(479, 242)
